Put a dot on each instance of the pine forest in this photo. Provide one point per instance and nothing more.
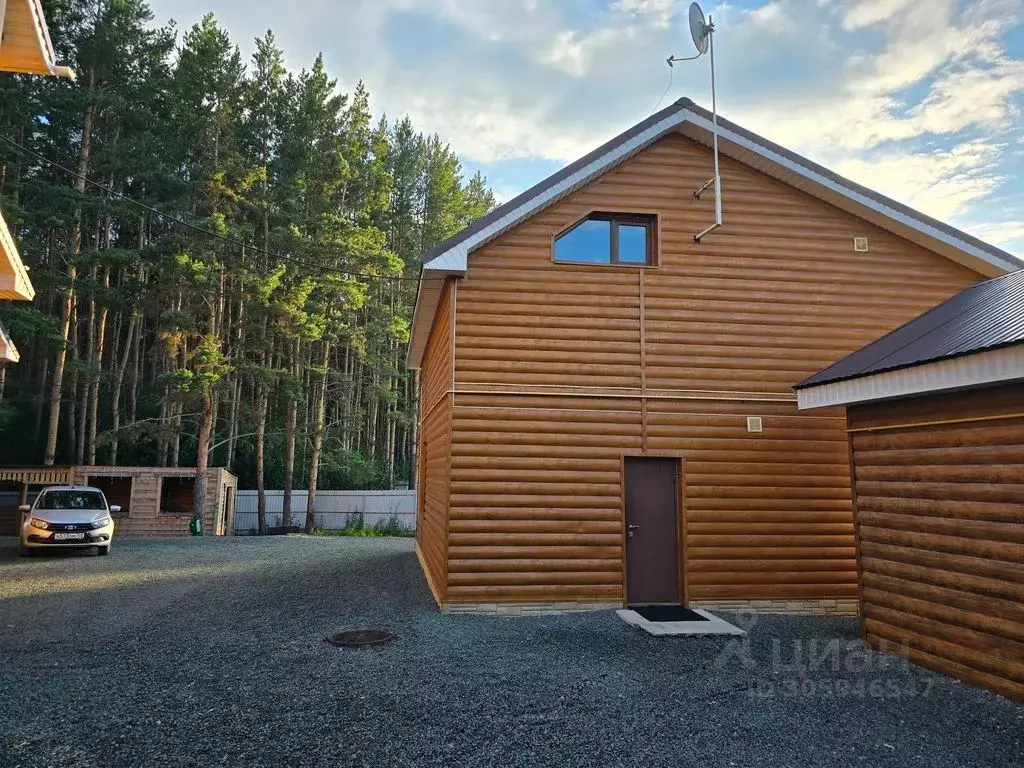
(225, 254)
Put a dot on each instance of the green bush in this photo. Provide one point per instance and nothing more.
(384, 528)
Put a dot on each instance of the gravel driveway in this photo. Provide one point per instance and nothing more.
(210, 652)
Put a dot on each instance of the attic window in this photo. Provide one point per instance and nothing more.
(608, 238)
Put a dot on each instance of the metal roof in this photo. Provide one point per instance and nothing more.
(983, 317)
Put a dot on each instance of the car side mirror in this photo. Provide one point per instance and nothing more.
(114, 509)
(25, 508)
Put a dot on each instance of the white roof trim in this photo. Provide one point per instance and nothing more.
(994, 366)
(45, 43)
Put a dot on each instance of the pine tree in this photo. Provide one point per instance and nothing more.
(153, 343)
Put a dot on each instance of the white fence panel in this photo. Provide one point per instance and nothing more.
(333, 508)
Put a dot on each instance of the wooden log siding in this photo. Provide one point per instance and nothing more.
(562, 369)
(940, 518)
(435, 444)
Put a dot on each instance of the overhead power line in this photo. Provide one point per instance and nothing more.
(196, 228)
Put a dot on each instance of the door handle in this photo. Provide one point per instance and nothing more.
(630, 529)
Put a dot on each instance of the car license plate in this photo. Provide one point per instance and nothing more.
(68, 536)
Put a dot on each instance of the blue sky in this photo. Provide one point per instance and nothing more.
(920, 99)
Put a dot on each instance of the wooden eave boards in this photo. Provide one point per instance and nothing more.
(15, 284)
(8, 352)
(25, 45)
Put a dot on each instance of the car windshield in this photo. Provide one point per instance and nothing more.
(87, 500)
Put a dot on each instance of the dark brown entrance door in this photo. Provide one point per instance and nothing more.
(652, 546)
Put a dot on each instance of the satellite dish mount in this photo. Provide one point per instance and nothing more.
(703, 34)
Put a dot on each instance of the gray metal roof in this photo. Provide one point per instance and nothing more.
(982, 317)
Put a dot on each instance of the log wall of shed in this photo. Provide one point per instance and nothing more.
(145, 516)
(940, 520)
(560, 370)
(434, 452)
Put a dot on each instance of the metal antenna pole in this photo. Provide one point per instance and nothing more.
(714, 120)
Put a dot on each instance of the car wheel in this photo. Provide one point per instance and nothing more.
(103, 551)
(26, 551)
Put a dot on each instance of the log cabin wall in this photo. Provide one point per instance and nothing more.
(940, 519)
(562, 369)
(434, 452)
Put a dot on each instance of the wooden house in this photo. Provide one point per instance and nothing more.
(154, 501)
(25, 47)
(606, 406)
(15, 285)
(8, 352)
(935, 416)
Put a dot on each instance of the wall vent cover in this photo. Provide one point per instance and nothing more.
(860, 244)
(755, 424)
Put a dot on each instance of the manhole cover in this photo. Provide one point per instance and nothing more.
(361, 638)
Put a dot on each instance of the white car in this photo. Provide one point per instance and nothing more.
(67, 516)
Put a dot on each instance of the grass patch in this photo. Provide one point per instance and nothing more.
(383, 528)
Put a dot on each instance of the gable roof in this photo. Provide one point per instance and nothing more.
(450, 258)
(985, 316)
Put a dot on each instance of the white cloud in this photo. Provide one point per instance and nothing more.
(940, 183)
(659, 12)
(574, 52)
(494, 130)
(918, 98)
(978, 96)
(1009, 233)
(865, 13)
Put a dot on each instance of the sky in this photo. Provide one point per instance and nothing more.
(919, 99)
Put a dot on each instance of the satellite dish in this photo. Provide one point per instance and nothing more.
(703, 31)
(699, 30)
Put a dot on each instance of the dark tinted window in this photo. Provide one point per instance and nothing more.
(608, 238)
(87, 500)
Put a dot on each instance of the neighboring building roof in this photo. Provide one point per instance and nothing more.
(15, 284)
(26, 46)
(8, 352)
(984, 316)
(978, 323)
(450, 258)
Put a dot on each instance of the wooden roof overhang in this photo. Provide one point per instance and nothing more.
(15, 284)
(450, 258)
(65, 475)
(36, 475)
(8, 352)
(25, 44)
